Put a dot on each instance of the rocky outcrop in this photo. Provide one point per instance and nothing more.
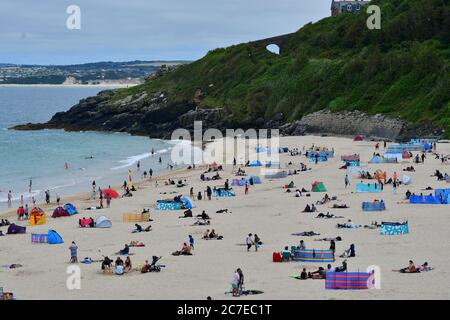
(351, 123)
(157, 116)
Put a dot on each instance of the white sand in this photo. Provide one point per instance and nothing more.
(268, 211)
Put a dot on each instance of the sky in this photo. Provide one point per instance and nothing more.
(36, 32)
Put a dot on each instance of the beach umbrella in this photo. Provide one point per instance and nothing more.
(111, 193)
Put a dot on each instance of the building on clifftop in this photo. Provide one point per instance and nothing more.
(343, 6)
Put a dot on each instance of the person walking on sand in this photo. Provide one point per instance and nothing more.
(346, 181)
(191, 242)
(21, 200)
(249, 241)
(150, 173)
(246, 188)
(58, 199)
(30, 185)
(9, 199)
(73, 252)
(108, 201)
(235, 283)
(138, 165)
(394, 186)
(208, 192)
(26, 212)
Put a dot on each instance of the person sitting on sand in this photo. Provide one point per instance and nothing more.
(350, 252)
(125, 251)
(146, 267)
(187, 214)
(128, 265)
(411, 268)
(301, 245)
(106, 264)
(307, 208)
(206, 234)
(319, 274)
(118, 261)
(298, 193)
(186, 250)
(303, 274)
(212, 234)
(286, 254)
(204, 216)
(137, 229)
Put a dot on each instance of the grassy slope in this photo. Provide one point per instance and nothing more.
(402, 69)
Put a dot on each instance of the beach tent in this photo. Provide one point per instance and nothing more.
(70, 208)
(312, 255)
(368, 187)
(406, 180)
(51, 237)
(374, 206)
(15, 229)
(37, 217)
(60, 212)
(223, 193)
(357, 169)
(394, 228)
(255, 163)
(103, 222)
(254, 180)
(85, 222)
(376, 159)
(54, 237)
(318, 186)
(187, 203)
(239, 182)
(111, 193)
(349, 280)
(358, 138)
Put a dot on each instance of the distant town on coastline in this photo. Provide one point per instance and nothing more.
(130, 72)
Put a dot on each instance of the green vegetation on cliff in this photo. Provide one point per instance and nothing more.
(337, 63)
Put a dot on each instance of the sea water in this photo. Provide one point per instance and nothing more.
(40, 156)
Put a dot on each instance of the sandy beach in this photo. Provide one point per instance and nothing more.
(267, 211)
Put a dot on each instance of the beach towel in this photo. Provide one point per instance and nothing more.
(392, 228)
(371, 187)
(373, 206)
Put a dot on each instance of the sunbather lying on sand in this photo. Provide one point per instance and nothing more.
(139, 228)
(222, 211)
(348, 225)
(328, 216)
(373, 225)
(136, 244)
(338, 238)
(306, 234)
(340, 206)
(201, 223)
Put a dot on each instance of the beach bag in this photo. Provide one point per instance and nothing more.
(276, 257)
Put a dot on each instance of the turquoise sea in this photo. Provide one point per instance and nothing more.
(41, 155)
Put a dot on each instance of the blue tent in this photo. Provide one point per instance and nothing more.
(255, 163)
(187, 202)
(376, 159)
(261, 149)
(70, 208)
(254, 180)
(54, 238)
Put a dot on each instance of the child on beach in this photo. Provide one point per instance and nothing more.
(73, 253)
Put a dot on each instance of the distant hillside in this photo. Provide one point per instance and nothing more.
(336, 64)
(80, 73)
